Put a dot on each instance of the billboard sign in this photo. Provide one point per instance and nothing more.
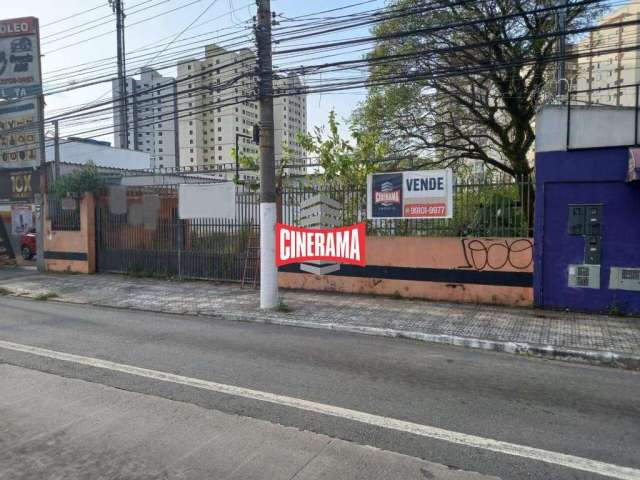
(20, 134)
(340, 245)
(417, 194)
(21, 219)
(19, 185)
(19, 58)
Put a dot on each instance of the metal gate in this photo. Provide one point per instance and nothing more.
(163, 245)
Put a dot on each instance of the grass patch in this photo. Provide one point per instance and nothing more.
(283, 307)
(43, 297)
(616, 309)
(5, 291)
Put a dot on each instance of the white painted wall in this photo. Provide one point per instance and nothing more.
(102, 155)
(591, 127)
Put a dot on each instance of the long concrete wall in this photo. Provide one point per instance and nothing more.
(478, 270)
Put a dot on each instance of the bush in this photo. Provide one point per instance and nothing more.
(85, 179)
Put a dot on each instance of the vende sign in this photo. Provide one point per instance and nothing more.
(18, 26)
(418, 194)
(339, 245)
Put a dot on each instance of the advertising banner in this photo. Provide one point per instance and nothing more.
(19, 58)
(19, 185)
(341, 245)
(417, 194)
(21, 219)
(6, 250)
(19, 134)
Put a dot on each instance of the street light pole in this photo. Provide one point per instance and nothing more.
(561, 74)
(238, 135)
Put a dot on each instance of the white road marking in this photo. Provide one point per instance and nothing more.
(555, 458)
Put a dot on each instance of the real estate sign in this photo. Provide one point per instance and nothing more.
(417, 194)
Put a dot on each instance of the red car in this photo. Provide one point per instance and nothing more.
(28, 244)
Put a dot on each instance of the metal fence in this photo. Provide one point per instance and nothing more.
(163, 245)
(64, 214)
(492, 207)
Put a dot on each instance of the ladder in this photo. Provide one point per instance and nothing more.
(251, 273)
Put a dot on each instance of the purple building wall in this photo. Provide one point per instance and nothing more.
(585, 177)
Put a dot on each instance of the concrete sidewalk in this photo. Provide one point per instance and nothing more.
(59, 428)
(572, 336)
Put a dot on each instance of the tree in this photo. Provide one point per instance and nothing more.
(84, 179)
(468, 91)
(344, 162)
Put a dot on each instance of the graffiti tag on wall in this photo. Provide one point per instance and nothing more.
(497, 254)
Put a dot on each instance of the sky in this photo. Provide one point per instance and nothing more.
(223, 17)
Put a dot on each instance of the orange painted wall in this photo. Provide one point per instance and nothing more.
(83, 241)
(481, 254)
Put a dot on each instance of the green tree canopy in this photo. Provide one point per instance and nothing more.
(345, 162)
(465, 81)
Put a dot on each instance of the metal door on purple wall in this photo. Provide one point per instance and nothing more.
(620, 240)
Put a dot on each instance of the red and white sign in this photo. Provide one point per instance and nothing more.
(340, 245)
(14, 27)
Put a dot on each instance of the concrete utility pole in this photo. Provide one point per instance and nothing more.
(123, 127)
(561, 71)
(56, 150)
(268, 270)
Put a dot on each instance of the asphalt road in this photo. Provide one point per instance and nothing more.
(588, 412)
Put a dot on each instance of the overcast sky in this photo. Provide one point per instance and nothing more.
(224, 17)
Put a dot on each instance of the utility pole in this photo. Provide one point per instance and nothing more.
(123, 127)
(56, 150)
(268, 270)
(561, 70)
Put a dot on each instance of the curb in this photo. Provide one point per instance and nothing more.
(593, 357)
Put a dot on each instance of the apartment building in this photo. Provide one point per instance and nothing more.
(602, 76)
(290, 118)
(215, 94)
(151, 118)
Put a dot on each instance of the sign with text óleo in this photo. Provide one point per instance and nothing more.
(340, 245)
(417, 194)
(19, 58)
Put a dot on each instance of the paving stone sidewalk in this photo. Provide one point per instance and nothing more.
(596, 338)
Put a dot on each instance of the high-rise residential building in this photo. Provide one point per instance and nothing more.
(151, 118)
(216, 100)
(290, 118)
(601, 77)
